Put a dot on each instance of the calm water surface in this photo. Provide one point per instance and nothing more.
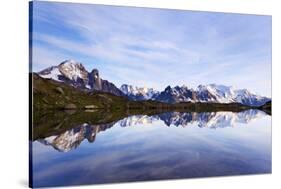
(164, 146)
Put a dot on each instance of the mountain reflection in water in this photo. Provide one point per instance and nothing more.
(71, 139)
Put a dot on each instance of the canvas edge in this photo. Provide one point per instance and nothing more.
(30, 116)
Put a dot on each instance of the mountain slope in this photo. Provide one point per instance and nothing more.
(176, 94)
(138, 93)
(74, 73)
(51, 94)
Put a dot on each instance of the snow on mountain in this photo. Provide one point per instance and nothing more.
(68, 71)
(75, 74)
(219, 93)
(225, 94)
(51, 73)
(73, 70)
(203, 93)
(210, 93)
(138, 93)
(243, 96)
(176, 94)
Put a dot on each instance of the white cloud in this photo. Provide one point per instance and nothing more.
(43, 58)
(157, 48)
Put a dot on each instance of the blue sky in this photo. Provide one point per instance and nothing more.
(156, 47)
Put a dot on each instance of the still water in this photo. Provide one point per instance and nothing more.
(169, 145)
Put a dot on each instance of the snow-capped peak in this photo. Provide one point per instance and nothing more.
(227, 94)
(74, 74)
(52, 72)
(184, 86)
(210, 93)
(69, 69)
(73, 70)
(138, 93)
(223, 94)
(70, 61)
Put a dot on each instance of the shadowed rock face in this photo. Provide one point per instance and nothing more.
(139, 93)
(110, 88)
(176, 94)
(98, 84)
(95, 80)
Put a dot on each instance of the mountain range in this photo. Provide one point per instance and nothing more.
(211, 93)
(74, 74)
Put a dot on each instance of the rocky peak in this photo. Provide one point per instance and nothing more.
(95, 81)
(73, 70)
(177, 87)
(95, 73)
(168, 88)
(138, 93)
(74, 73)
(127, 89)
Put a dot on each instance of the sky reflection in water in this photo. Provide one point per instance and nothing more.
(165, 146)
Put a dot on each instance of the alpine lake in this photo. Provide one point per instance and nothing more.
(94, 147)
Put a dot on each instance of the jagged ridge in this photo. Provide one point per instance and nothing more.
(74, 73)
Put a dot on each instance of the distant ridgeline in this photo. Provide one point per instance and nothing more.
(71, 84)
